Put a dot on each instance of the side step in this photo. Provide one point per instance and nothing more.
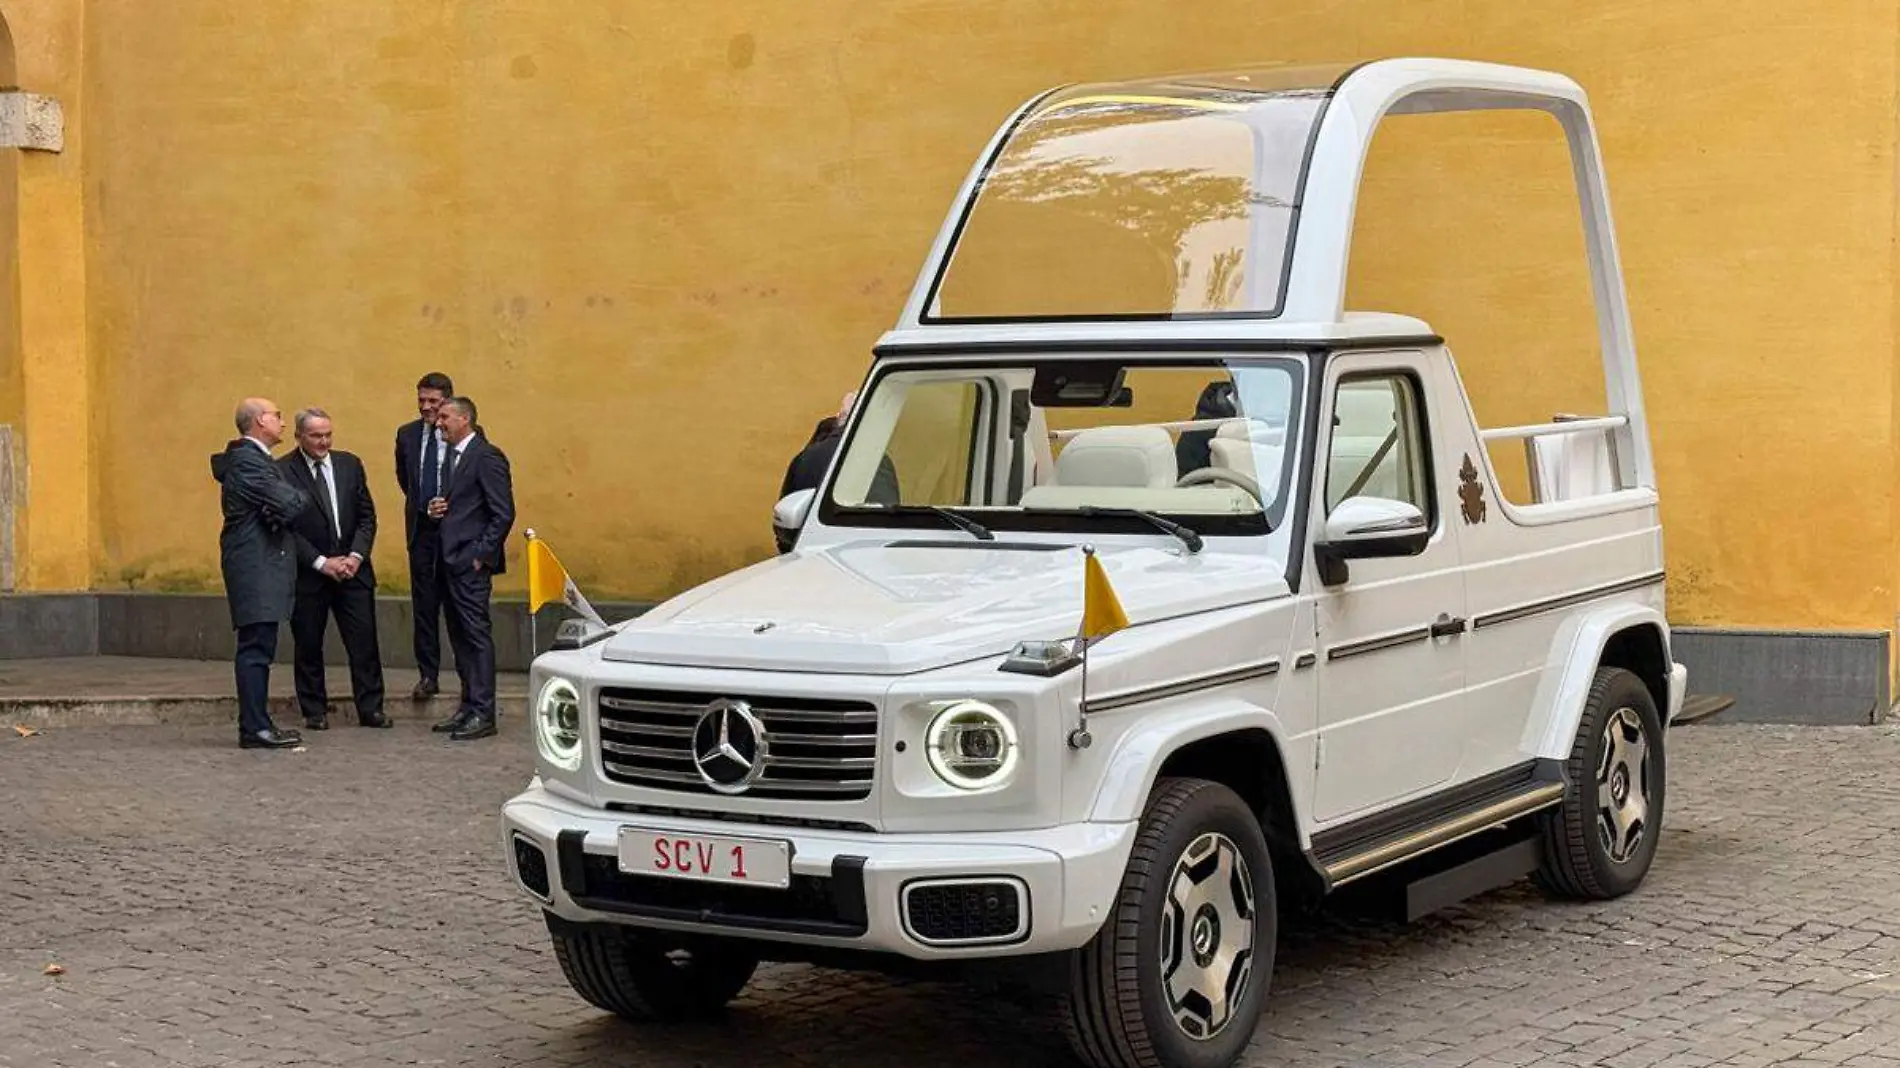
(1474, 866)
(1383, 840)
(1698, 707)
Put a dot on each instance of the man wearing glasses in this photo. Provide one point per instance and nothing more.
(255, 555)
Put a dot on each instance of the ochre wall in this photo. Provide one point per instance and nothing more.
(656, 240)
(52, 383)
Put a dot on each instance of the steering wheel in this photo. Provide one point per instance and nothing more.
(1222, 474)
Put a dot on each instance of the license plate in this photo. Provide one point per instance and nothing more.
(736, 861)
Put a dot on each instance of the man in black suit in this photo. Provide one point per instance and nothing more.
(474, 513)
(255, 557)
(808, 468)
(420, 454)
(333, 572)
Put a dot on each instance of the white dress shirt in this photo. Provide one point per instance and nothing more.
(326, 470)
(441, 456)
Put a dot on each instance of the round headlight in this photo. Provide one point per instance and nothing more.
(557, 723)
(971, 745)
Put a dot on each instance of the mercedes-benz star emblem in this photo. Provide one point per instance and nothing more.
(729, 746)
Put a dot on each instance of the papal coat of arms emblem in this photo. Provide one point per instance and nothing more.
(1470, 492)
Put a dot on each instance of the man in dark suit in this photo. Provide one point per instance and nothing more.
(333, 572)
(808, 468)
(420, 454)
(474, 513)
(255, 556)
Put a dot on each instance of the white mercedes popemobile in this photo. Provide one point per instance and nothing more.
(1348, 658)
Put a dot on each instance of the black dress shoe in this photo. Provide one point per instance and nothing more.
(424, 690)
(374, 719)
(475, 727)
(317, 723)
(453, 723)
(270, 739)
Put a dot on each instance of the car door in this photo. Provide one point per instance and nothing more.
(1391, 681)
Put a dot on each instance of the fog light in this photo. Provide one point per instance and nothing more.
(531, 864)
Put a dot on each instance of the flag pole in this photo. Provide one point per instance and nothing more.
(1079, 738)
(534, 638)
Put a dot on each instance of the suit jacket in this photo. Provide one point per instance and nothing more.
(355, 513)
(255, 544)
(807, 470)
(409, 445)
(481, 497)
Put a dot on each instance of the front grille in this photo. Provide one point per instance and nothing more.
(830, 905)
(964, 912)
(818, 749)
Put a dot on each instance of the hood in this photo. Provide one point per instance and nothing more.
(221, 461)
(892, 609)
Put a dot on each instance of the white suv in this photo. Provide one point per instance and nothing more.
(1347, 658)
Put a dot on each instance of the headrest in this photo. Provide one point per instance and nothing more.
(1232, 452)
(1118, 456)
(1256, 430)
(1363, 410)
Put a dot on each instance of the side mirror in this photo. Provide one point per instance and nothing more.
(1363, 528)
(790, 514)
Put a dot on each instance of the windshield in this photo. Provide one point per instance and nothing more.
(1040, 445)
(1170, 198)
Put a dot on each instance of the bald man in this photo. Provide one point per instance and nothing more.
(260, 571)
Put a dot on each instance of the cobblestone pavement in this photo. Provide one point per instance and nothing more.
(346, 905)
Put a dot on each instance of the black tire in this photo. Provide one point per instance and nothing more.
(1578, 862)
(643, 981)
(1116, 1011)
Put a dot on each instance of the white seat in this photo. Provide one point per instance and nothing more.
(1232, 447)
(1571, 466)
(1364, 418)
(1127, 456)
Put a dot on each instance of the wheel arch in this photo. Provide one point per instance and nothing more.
(1634, 637)
(1239, 746)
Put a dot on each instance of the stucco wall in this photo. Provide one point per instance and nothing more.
(654, 241)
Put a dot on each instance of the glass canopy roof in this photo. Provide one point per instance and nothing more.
(1162, 199)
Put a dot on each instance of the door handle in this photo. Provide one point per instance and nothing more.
(1448, 627)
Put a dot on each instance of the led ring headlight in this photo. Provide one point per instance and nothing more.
(557, 723)
(971, 745)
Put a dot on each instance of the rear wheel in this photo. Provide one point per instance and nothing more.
(1598, 844)
(617, 970)
(1177, 976)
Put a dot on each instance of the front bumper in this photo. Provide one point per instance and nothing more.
(848, 887)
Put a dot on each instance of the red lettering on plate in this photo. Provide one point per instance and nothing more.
(683, 854)
(738, 862)
(705, 857)
(660, 860)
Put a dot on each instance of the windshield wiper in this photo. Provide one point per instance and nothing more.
(1189, 537)
(955, 519)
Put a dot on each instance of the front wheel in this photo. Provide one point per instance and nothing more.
(1178, 975)
(615, 970)
(1599, 842)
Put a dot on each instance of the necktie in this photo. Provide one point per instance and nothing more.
(448, 475)
(431, 468)
(325, 501)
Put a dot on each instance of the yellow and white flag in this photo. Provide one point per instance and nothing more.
(1102, 613)
(549, 581)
